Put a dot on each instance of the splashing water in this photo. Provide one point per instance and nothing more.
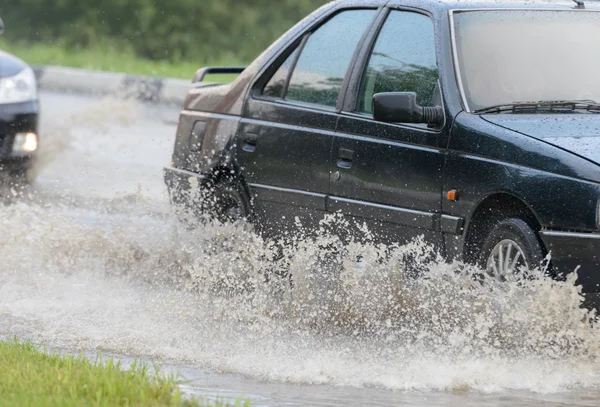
(146, 286)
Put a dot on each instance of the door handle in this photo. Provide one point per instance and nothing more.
(250, 140)
(345, 157)
(345, 164)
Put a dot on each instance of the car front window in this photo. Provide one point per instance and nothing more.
(402, 60)
(511, 56)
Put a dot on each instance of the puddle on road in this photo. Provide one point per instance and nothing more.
(129, 279)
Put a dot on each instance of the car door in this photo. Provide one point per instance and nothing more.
(284, 140)
(389, 175)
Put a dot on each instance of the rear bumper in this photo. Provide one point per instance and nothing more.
(183, 185)
(571, 251)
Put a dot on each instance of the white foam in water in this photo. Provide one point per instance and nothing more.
(128, 278)
(121, 285)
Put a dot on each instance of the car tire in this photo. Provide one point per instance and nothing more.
(227, 201)
(510, 245)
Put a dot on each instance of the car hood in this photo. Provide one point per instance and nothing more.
(578, 133)
(10, 65)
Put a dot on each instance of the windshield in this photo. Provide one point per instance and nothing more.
(521, 55)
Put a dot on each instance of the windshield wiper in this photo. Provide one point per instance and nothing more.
(544, 105)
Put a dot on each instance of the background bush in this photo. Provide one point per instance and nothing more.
(198, 31)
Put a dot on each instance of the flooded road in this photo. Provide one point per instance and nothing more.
(94, 260)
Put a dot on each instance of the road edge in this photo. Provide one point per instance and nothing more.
(82, 81)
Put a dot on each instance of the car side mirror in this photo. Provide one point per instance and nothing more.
(402, 107)
(1, 26)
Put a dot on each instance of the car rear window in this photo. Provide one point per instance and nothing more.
(276, 85)
(323, 61)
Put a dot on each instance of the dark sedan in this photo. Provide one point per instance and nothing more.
(473, 123)
(19, 109)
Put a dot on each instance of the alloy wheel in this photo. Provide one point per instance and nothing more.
(506, 259)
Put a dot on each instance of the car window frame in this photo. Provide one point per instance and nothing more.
(298, 43)
(355, 81)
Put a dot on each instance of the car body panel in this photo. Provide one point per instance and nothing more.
(283, 151)
(485, 159)
(208, 149)
(396, 169)
(575, 132)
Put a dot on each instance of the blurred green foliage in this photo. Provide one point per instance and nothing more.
(171, 30)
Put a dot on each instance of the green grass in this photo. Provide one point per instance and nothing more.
(31, 377)
(111, 59)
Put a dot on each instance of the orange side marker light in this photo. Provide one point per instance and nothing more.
(453, 195)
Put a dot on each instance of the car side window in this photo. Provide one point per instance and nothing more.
(276, 84)
(323, 61)
(402, 60)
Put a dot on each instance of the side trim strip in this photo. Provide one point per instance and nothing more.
(384, 213)
(185, 172)
(289, 196)
(361, 209)
(210, 115)
(574, 235)
(452, 224)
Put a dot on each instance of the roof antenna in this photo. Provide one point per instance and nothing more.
(580, 3)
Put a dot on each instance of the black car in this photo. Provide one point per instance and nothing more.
(19, 109)
(473, 123)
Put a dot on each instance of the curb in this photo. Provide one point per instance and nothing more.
(143, 88)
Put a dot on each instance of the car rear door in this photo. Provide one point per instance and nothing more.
(284, 141)
(389, 175)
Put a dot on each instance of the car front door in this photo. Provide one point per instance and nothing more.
(389, 175)
(284, 141)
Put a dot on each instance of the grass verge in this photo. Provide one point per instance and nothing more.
(30, 377)
(110, 59)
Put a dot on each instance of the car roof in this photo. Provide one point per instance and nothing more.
(440, 5)
(546, 4)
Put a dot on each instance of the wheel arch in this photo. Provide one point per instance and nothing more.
(488, 211)
(229, 171)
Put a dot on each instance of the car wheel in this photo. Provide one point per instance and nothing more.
(227, 202)
(511, 247)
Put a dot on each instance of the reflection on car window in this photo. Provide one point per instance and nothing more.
(506, 56)
(274, 87)
(325, 58)
(403, 60)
